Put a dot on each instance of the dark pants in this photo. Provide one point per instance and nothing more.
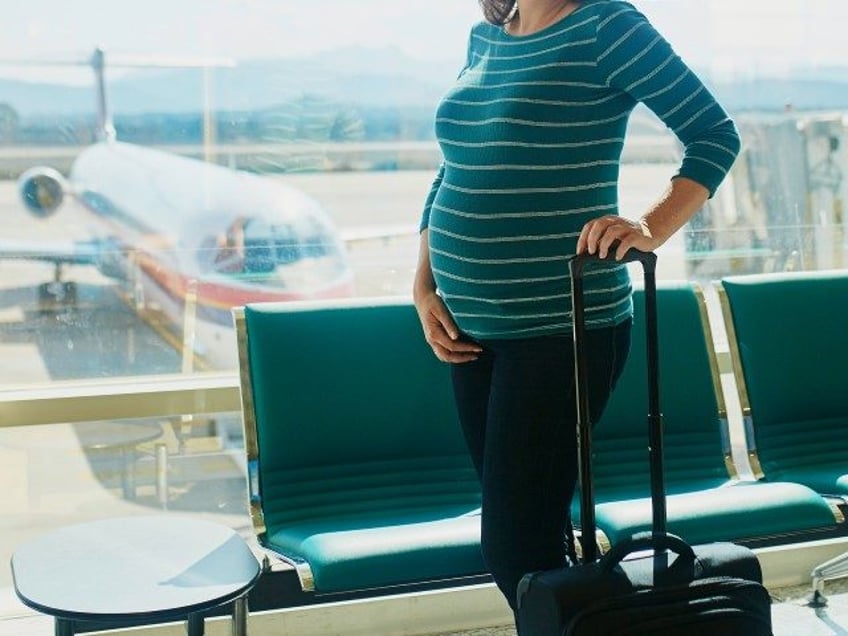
(517, 407)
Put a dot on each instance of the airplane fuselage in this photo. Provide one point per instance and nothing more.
(197, 237)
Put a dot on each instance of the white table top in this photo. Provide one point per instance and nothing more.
(157, 566)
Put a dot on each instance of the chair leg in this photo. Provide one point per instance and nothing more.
(128, 482)
(195, 625)
(240, 616)
(162, 487)
(834, 568)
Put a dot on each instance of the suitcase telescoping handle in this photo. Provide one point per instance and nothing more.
(578, 265)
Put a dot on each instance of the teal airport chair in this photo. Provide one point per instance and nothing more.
(358, 474)
(788, 337)
(707, 500)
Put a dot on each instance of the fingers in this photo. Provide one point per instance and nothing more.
(599, 235)
(456, 355)
(441, 333)
(445, 321)
(448, 347)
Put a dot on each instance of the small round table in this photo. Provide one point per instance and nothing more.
(122, 438)
(157, 568)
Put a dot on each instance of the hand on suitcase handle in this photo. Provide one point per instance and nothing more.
(648, 259)
(646, 541)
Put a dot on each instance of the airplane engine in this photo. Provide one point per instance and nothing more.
(42, 191)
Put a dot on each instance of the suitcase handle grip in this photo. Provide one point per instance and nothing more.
(648, 259)
(646, 541)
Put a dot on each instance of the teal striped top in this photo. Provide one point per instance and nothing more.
(531, 134)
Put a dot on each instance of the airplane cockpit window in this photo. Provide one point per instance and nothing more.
(269, 245)
(256, 249)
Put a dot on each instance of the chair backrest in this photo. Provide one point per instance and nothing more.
(788, 337)
(351, 413)
(697, 451)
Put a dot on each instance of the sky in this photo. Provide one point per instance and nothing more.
(739, 37)
(237, 29)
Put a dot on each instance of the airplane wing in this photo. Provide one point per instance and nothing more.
(56, 252)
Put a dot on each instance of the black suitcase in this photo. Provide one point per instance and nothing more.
(655, 583)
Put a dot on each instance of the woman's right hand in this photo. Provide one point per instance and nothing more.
(439, 328)
(440, 331)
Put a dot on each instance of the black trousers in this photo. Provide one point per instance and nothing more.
(517, 407)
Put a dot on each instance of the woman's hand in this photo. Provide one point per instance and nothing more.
(683, 198)
(440, 331)
(439, 328)
(599, 234)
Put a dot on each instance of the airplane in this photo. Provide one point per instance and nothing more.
(184, 234)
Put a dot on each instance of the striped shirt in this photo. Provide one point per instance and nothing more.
(531, 134)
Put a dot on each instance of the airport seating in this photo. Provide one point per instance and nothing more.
(789, 350)
(788, 338)
(707, 500)
(358, 473)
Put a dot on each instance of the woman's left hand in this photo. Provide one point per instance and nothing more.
(599, 234)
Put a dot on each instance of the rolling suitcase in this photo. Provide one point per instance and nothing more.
(655, 583)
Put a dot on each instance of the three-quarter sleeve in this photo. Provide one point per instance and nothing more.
(634, 58)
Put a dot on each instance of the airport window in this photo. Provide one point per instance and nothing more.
(203, 158)
(197, 176)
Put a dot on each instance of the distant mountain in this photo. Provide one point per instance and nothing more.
(376, 77)
(368, 77)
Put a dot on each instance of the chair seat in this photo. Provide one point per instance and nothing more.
(364, 553)
(826, 479)
(742, 510)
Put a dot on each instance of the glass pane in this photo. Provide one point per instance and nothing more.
(70, 473)
(285, 160)
(158, 183)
